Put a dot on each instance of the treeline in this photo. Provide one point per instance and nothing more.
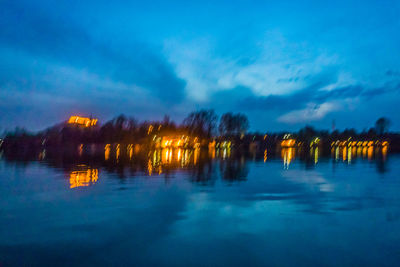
(123, 129)
(203, 124)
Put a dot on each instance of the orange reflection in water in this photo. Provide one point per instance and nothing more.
(344, 153)
(211, 152)
(265, 155)
(384, 152)
(288, 155)
(80, 149)
(166, 156)
(149, 167)
(179, 156)
(118, 151)
(364, 152)
(370, 152)
(130, 151)
(107, 152)
(196, 155)
(83, 177)
(359, 151)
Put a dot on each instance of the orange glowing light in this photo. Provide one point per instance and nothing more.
(265, 155)
(288, 143)
(82, 121)
(83, 178)
(150, 129)
(117, 151)
(370, 152)
(107, 150)
(287, 154)
(384, 152)
(149, 167)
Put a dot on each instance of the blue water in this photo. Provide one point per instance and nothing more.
(246, 213)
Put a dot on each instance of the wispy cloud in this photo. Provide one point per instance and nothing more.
(310, 113)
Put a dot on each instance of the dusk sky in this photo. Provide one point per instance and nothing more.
(284, 64)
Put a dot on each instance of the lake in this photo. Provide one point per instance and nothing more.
(175, 209)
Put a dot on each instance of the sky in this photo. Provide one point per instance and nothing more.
(285, 64)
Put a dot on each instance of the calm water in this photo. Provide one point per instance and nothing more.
(212, 213)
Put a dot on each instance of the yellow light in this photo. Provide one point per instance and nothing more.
(349, 154)
(179, 154)
(287, 154)
(337, 152)
(150, 129)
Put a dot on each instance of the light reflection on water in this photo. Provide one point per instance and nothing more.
(190, 207)
(85, 176)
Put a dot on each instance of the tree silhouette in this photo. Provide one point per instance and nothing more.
(233, 124)
(201, 123)
(382, 125)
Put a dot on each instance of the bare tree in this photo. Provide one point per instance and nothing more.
(201, 123)
(233, 124)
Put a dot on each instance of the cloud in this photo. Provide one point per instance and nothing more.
(56, 39)
(311, 113)
(272, 69)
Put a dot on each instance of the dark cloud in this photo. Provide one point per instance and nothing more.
(311, 94)
(291, 101)
(393, 73)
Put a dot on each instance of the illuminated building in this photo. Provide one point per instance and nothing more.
(288, 143)
(173, 141)
(82, 121)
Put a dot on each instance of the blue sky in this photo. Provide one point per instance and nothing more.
(282, 63)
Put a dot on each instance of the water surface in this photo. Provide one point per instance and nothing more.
(217, 212)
